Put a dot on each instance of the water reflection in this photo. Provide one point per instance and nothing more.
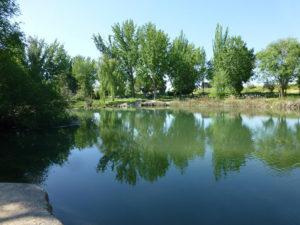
(278, 144)
(144, 144)
(231, 142)
(26, 157)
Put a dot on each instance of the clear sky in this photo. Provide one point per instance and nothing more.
(73, 22)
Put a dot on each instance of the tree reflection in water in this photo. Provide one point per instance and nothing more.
(278, 144)
(231, 142)
(144, 144)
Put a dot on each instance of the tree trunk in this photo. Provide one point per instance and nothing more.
(132, 93)
(282, 91)
(154, 90)
(131, 83)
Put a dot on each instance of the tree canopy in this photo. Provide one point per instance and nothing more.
(84, 70)
(280, 61)
(123, 46)
(232, 56)
(186, 65)
(153, 61)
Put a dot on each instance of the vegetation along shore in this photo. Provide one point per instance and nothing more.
(40, 82)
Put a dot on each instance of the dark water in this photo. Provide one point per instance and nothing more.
(164, 167)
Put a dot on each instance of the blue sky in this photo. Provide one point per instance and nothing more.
(73, 22)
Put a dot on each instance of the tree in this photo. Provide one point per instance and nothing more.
(112, 80)
(281, 62)
(153, 57)
(185, 65)
(57, 62)
(84, 71)
(238, 61)
(206, 73)
(11, 38)
(25, 101)
(122, 45)
(219, 45)
(232, 56)
(52, 64)
(36, 56)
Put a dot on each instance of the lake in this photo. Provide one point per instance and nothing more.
(163, 166)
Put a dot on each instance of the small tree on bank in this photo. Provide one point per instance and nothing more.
(280, 61)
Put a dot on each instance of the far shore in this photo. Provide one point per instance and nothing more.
(253, 104)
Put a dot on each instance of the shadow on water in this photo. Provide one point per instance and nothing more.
(143, 144)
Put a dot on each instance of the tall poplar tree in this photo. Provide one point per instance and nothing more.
(154, 45)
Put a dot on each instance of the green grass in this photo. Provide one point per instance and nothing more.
(96, 103)
(255, 97)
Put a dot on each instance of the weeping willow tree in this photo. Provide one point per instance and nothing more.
(112, 80)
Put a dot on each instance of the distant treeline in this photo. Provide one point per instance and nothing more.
(38, 80)
(143, 59)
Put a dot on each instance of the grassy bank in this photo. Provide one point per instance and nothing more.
(260, 103)
(269, 104)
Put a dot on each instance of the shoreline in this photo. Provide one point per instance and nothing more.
(257, 104)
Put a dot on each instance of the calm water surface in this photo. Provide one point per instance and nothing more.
(161, 167)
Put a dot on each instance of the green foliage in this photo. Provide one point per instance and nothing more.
(153, 61)
(84, 70)
(219, 46)
(202, 67)
(221, 84)
(232, 56)
(123, 46)
(11, 38)
(238, 61)
(186, 62)
(146, 59)
(110, 78)
(52, 64)
(280, 61)
(27, 100)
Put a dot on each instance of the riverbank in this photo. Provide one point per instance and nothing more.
(25, 204)
(260, 104)
(265, 104)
